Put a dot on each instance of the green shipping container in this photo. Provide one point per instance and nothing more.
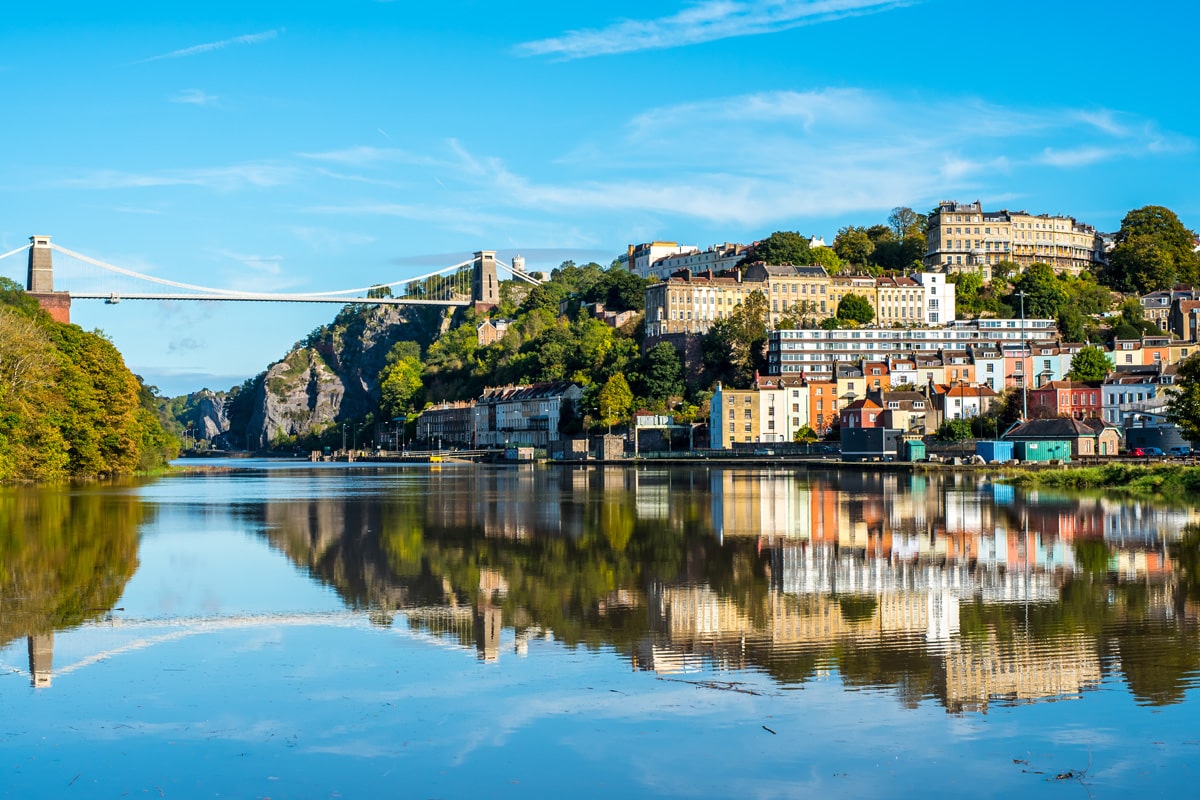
(1045, 450)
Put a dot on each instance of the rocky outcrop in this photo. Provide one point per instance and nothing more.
(208, 417)
(334, 375)
(299, 394)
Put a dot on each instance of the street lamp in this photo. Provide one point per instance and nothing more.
(343, 437)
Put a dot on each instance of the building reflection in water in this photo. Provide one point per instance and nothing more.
(950, 587)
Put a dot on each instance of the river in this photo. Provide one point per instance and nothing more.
(290, 630)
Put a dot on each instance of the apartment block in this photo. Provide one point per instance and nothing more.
(525, 415)
(690, 302)
(663, 259)
(815, 351)
(963, 237)
(772, 412)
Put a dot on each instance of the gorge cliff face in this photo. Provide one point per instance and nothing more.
(208, 418)
(333, 375)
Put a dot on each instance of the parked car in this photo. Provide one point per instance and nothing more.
(1179, 451)
(1136, 452)
(1152, 451)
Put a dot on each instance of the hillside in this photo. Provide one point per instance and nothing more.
(377, 364)
(69, 407)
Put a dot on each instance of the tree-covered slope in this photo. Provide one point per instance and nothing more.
(69, 407)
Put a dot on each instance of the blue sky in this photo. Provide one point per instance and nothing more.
(311, 146)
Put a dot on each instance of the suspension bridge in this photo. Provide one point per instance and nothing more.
(475, 281)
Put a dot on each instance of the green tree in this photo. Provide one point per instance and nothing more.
(1152, 250)
(1183, 402)
(856, 308)
(781, 247)
(615, 399)
(967, 286)
(805, 435)
(1089, 364)
(827, 258)
(619, 290)
(906, 223)
(1085, 295)
(1071, 324)
(954, 430)
(853, 245)
(1003, 270)
(830, 324)
(1044, 295)
(734, 347)
(662, 372)
(400, 380)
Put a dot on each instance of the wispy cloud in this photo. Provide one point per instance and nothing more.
(1077, 156)
(701, 22)
(364, 155)
(770, 157)
(195, 97)
(238, 176)
(268, 265)
(208, 47)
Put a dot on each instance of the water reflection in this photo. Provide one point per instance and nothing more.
(65, 557)
(957, 589)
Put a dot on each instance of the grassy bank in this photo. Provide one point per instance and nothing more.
(1131, 479)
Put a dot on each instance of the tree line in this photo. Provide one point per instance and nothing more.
(69, 407)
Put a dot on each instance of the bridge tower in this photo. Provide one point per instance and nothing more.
(40, 283)
(485, 286)
(41, 659)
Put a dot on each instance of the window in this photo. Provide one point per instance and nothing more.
(747, 414)
(747, 429)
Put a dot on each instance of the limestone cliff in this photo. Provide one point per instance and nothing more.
(333, 375)
(207, 415)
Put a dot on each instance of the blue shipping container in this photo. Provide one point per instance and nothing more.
(991, 451)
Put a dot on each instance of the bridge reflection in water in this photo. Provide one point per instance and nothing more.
(950, 588)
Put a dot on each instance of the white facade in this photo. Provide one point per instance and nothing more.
(939, 298)
(796, 351)
(522, 415)
(639, 257)
(718, 258)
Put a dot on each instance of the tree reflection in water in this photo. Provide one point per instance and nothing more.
(709, 568)
(65, 557)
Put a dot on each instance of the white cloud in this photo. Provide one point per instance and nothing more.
(364, 155)
(195, 97)
(269, 265)
(238, 176)
(1077, 156)
(208, 47)
(700, 22)
(774, 156)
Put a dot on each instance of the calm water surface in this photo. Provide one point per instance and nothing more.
(292, 631)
